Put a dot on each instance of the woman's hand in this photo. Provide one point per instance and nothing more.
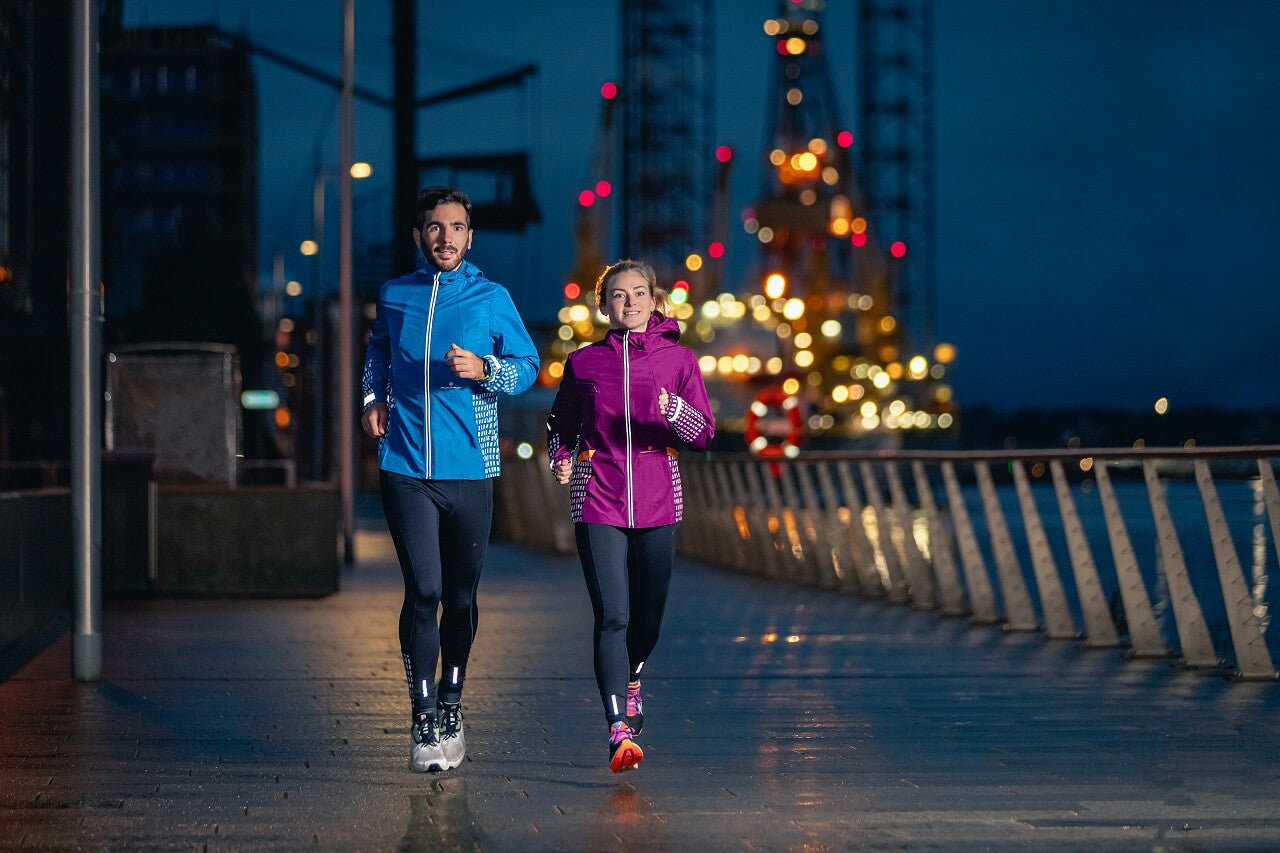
(663, 399)
(562, 469)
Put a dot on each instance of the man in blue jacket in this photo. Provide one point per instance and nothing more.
(446, 341)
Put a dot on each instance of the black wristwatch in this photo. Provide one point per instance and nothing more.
(488, 372)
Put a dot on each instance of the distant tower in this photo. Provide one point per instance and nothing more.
(826, 339)
(180, 131)
(811, 219)
(895, 145)
(667, 150)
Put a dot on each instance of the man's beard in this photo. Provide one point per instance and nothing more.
(454, 261)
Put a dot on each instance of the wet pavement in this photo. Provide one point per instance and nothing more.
(776, 719)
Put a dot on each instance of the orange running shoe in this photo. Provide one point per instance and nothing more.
(624, 753)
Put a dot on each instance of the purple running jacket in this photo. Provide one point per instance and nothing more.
(606, 418)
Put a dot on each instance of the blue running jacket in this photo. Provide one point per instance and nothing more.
(440, 426)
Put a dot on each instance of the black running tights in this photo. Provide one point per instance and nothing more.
(441, 531)
(628, 571)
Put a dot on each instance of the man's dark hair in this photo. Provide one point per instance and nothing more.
(429, 198)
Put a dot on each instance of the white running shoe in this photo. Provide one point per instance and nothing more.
(452, 740)
(425, 752)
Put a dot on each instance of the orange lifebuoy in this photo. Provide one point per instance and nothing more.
(759, 443)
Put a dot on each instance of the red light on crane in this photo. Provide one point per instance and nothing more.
(782, 47)
(724, 153)
(844, 139)
(859, 240)
(898, 249)
(603, 189)
(716, 249)
(586, 198)
(572, 291)
(609, 91)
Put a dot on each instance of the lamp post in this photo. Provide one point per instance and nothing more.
(85, 315)
(343, 363)
(317, 324)
(342, 355)
(346, 391)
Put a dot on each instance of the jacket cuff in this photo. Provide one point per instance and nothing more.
(495, 367)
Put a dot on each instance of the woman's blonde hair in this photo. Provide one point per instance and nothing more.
(661, 303)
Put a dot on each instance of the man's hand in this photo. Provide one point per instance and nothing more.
(562, 469)
(374, 421)
(465, 363)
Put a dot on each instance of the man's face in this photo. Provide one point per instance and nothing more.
(445, 236)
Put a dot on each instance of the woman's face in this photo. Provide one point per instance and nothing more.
(628, 301)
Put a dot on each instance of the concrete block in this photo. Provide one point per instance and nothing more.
(246, 541)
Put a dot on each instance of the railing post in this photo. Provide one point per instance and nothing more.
(801, 531)
(1100, 630)
(1272, 499)
(1144, 633)
(1053, 600)
(715, 501)
(920, 578)
(722, 537)
(781, 536)
(981, 595)
(816, 527)
(754, 544)
(771, 562)
(1193, 634)
(1017, 603)
(841, 553)
(1252, 658)
(864, 555)
(943, 557)
(896, 590)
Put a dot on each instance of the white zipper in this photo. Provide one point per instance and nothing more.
(626, 404)
(426, 381)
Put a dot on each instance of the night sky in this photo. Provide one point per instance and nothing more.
(1106, 183)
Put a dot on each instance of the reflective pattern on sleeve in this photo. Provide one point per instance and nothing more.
(687, 421)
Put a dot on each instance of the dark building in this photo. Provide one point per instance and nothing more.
(35, 109)
(179, 164)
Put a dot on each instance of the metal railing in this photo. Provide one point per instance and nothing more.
(1111, 560)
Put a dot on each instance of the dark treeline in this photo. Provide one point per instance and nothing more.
(985, 428)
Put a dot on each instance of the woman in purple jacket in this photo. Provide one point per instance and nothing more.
(624, 406)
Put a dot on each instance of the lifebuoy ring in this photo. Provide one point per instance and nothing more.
(759, 443)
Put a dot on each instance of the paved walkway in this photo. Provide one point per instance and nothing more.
(777, 719)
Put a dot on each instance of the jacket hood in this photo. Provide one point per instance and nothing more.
(661, 330)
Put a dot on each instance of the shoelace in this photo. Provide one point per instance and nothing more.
(451, 721)
(617, 734)
(634, 703)
(426, 732)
